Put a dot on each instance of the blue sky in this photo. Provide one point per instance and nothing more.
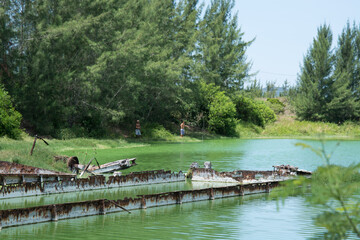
(284, 30)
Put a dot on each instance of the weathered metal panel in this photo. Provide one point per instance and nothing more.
(90, 183)
(14, 217)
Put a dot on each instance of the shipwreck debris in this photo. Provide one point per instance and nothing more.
(207, 165)
(288, 169)
(280, 173)
(49, 182)
(70, 162)
(112, 166)
(194, 165)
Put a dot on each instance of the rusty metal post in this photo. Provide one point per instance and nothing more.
(102, 210)
(143, 202)
(33, 146)
(2, 185)
(54, 216)
(268, 187)
(211, 194)
(242, 190)
(179, 198)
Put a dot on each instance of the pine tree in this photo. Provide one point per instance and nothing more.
(255, 89)
(356, 77)
(221, 51)
(316, 77)
(285, 88)
(344, 104)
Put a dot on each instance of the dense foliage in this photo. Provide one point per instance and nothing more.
(9, 117)
(80, 67)
(253, 111)
(222, 114)
(276, 105)
(328, 85)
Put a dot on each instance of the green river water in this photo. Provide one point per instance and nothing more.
(249, 217)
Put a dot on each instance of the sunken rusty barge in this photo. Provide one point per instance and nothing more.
(27, 184)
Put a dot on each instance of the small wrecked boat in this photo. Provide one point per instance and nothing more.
(110, 167)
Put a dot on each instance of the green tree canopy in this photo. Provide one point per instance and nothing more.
(92, 65)
(221, 48)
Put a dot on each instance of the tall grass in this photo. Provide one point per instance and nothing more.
(306, 128)
(292, 128)
(18, 151)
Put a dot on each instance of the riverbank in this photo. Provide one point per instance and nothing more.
(18, 151)
(286, 127)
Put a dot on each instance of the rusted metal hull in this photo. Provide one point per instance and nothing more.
(244, 176)
(14, 173)
(22, 216)
(91, 183)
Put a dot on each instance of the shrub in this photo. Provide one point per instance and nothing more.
(10, 119)
(217, 110)
(156, 131)
(266, 113)
(222, 114)
(256, 112)
(275, 104)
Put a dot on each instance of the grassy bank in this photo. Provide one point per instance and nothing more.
(290, 128)
(43, 156)
(18, 151)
